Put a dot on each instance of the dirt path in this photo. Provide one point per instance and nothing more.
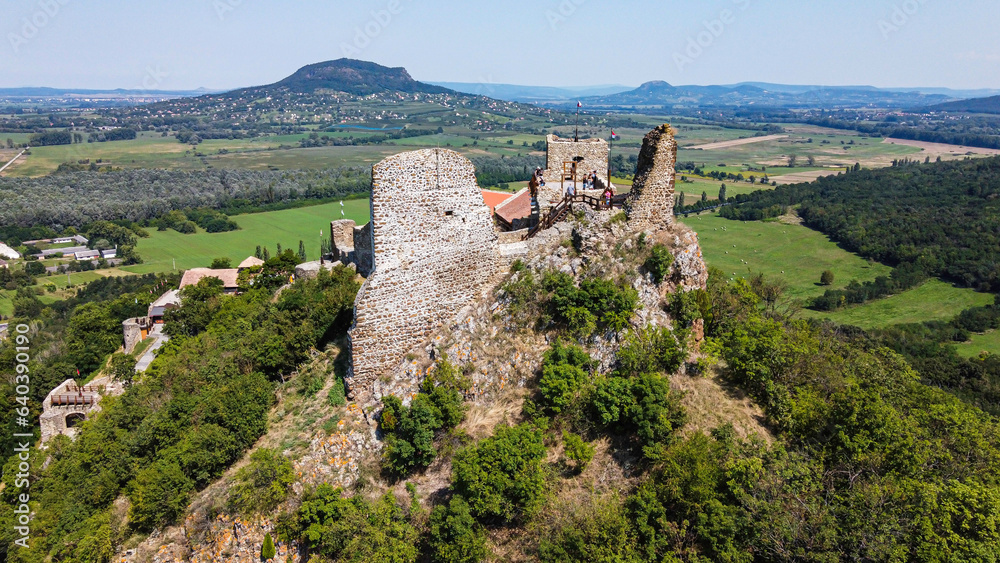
(735, 143)
(799, 177)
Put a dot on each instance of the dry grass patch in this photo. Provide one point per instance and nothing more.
(710, 402)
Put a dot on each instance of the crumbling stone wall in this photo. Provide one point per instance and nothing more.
(651, 202)
(364, 252)
(435, 251)
(342, 239)
(595, 153)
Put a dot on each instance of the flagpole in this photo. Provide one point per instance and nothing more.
(611, 147)
(576, 135)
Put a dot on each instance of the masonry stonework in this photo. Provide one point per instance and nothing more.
(435, 250)
(595, 154)
(651, 202)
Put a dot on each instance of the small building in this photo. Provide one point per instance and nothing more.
(110, 253)
(167, 301)
(229, 276)
(82, 255)
(250, 262)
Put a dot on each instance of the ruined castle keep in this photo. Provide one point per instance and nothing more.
(434, 250)
(588, 154)
(651, 202)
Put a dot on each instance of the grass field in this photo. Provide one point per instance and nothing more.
(988, 342)
(934, 300)
(794, 253)
(287, 228)
(798, 255)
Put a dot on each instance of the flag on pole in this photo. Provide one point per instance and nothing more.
(614, 136)
(579, 105)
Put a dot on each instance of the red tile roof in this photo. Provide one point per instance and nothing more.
(493, 199)
(517, 207)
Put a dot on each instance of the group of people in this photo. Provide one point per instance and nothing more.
(538, 180)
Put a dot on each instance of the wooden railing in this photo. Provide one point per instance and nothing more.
(562, 209)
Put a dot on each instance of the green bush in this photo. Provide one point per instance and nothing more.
(159, 494)
(263, 484)
(577, 450)
(409, 431)
(685, 307)
(502, 477)
(659, 262)
(563, 374)
(600, 531)
(352, 529)
(642, 406)
(454, 536)
(595, 304)
(652, 350)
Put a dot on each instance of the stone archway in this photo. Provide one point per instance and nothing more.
(74, 419)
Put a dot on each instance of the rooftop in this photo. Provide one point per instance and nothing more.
(195, 275)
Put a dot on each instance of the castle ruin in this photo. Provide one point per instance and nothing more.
(434, 250)
(431, 246)
(650, 204)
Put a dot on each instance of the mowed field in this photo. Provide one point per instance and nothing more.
(163, 249)
(799, 255)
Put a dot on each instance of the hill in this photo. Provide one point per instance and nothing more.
(977, 105)
(359, 78)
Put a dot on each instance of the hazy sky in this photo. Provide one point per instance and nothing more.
(184, 44)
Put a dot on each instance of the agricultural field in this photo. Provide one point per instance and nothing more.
(979, 343)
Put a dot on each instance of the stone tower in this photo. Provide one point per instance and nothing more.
(435, 250)
(651, 202)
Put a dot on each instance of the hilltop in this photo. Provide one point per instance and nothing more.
(977, 105)
(359, 78)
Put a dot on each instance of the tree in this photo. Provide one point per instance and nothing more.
(680, 201)
(258, 253)
(454, 535)
(722, 190)
(791, 160)
(704, 197)
(122, 368)
(502, 477)
(267, 551)
(811, 160)
(826, 278)
(221, 264)
(302, 251)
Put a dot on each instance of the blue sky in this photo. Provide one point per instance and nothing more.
(183, 44)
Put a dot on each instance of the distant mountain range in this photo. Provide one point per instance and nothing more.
(532, 94)
(659, 94)
(362, 78)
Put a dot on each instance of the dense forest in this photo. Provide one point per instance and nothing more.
(940, 217)
(78, 198)
(193, 413)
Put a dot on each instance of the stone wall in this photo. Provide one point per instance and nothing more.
(650, 205)
(435, 251)
(364, 252)
(342, 239)
(595, 153)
